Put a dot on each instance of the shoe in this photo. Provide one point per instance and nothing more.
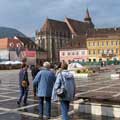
(40, 117)
(35, 97)
(47, 118)
(25, 104)
(18, 102)
(34, 94)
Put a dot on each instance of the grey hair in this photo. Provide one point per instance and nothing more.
(46, 64)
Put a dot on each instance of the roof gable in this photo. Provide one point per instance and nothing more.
(77, 27)
(54, 25)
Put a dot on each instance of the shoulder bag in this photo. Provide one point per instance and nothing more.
(24, 82)
(61, 91)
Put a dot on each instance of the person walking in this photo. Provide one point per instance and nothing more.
(58, 69)
(64, 78)
(45, 80)
(34, 72)
(23, 84)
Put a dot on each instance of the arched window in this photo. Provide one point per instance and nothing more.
(43, 43)
(60, 43)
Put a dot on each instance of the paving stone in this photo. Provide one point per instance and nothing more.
(116, 89)
(12, 104)
(2, 111)
(55, 111)
(13, 94)
(83, 85)
(5, 91)
(16, 116)
(3, 98)
(82, 116)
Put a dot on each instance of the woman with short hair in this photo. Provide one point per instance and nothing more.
(69, 85)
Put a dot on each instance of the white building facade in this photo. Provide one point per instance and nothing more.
(71, 55)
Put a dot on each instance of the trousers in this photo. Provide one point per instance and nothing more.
(65, 109)
(48, 106)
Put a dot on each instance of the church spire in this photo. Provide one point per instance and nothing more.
(87, 18)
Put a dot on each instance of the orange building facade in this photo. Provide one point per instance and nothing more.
(14, 49)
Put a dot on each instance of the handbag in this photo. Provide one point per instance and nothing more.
(24, 84)
(61, 91)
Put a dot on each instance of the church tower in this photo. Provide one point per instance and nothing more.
(88, 20)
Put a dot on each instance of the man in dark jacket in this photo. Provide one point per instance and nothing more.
(34, 72)
(23, 76)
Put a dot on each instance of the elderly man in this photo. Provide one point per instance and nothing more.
(45, 80)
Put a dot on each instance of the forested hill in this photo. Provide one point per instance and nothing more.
(10, 32)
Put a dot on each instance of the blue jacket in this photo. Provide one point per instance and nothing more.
(44, 80)
(69, 86)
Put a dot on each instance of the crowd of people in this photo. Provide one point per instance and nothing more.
(49, 84)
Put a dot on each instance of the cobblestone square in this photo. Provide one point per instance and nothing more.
(97, 87)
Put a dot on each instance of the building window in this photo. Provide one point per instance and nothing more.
(83, 60)
(77, 53)
(82, 52)
(57, 33)
(98, 44)
(60, 33)
(63, 53)
(100, 60)
(89, 52)
(94, 60)
(98, 51)
(107, 43)
(64, 34)
(69, 61)
(102, 51)
(116, 43)
(68, 53)
(60, 43)
(102, 43)
(29, 46)
(89, 60)
(88, 43)
(94, 52)
(108, 51)
(93, 43)
(112, 51)
(72, 53)
(111, 42)
(117, 50)
(43, 43)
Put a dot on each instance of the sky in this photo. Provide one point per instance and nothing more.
(29, 15)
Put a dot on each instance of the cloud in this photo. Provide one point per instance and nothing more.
(29, 15)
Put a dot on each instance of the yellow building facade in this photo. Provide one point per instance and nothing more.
(104, 49)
